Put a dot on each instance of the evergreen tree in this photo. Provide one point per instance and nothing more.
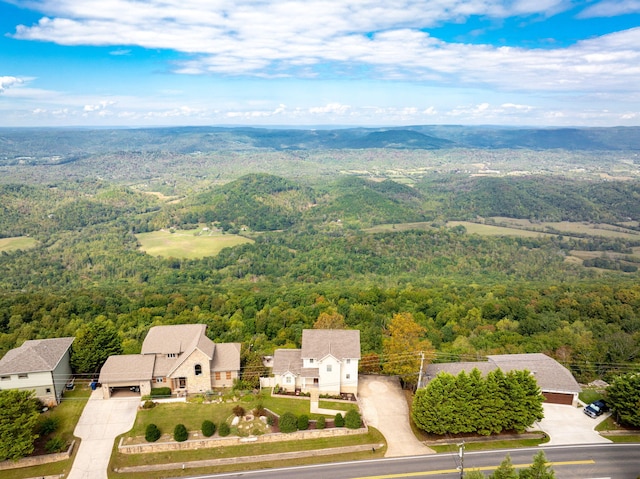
(19, 416)
(505, 470)
(623, 397)
(539, 469)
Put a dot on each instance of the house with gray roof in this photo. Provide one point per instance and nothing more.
(555, 381)
(327, 361)
(40, 365)
(180, 357)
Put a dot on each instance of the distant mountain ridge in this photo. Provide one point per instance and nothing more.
(60, 145)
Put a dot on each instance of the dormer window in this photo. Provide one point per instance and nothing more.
(197, 369)
(311, 361)
(171, 355)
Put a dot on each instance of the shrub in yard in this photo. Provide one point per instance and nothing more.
(260, 410)
(352, 419)
(303, 422)
(224, 430)
(148, 404)
(271, 420)
(288, 422)
(238, 410)
(49, 425)
(55, 444)
(180, 433)
(208, 428)
(339, 420)
(152, 433)
(321, 423)
(160, 392)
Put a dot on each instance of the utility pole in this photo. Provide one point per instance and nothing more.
(461, 445)
(420, 373)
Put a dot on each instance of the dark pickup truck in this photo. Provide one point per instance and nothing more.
(596, 408)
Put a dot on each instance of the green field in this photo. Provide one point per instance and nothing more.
(190, 244)
(20, 242)
(492, 230)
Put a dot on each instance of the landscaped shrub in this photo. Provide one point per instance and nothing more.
(288, 422)
(238, 410)
(180, 433)
(339, 420)
(160, 392)
(49, 425)
(148, 404)
(271, 420)
(352, 419)
(321, 423)
(152, 433)
(303, 422)
(223, 429)
(55, 444)
(259, 410)
(208, 428)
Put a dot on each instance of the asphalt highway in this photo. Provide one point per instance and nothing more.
(602, 461)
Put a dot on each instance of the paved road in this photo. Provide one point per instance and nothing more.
(603, 461)
(101, 421)
(385, 408)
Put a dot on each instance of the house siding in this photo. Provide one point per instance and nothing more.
(61, 375)
(349, 368)
(329, 382)
(195, 384)
(38, 382)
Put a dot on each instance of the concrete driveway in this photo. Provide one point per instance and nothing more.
(384, 407)
(569, 425)
(101, 421)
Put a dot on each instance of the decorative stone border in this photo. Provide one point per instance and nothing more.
(37, 460)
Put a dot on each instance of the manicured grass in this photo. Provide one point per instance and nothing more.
(339, 406)
(588, 396)
(20, 242)
(491, 445)
(372, 437)
(167, 415)
(191, 244)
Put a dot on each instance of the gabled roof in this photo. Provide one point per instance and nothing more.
(226, 357)
(37, 355)
(128, 367)
(339, 343)
(549, 373)
(287, 361)
(177, 339)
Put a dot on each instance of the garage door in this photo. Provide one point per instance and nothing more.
(558, 398)
(125, 391)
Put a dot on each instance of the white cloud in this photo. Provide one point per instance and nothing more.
(8, 82)
(611, 8)
(99, 106)
(335, 108)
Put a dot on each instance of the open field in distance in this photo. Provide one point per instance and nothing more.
(13, 244)
(190, 244)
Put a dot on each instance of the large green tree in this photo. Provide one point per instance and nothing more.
(94, 343)
(623, 396)
(539, 469)
(18, 418)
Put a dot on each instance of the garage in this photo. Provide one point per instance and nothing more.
(558, 398)
(127, 376)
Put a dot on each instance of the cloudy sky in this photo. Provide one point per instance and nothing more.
(319, 62)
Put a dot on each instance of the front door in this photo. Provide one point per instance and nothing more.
(182, 383)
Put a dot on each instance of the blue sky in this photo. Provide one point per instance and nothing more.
(319, 62)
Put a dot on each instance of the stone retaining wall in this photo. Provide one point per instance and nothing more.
(37, 460)
(206, 442)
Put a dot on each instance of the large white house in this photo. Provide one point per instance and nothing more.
(40, 365)
(327, 361)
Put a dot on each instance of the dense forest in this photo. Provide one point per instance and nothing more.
(352, 244)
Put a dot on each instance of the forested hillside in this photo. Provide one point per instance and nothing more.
(360, 240)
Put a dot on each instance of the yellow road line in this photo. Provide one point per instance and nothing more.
(484, 468)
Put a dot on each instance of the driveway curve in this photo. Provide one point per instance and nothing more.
(102, 420)
(384, 407)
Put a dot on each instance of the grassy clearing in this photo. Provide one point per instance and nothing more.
(190, 244)
(20, 242)
(386, 228)
(568, 227)
(67, 413)
(492, 230)
(372, 437)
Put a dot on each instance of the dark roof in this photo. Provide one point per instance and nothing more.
(36, 355)
(340, 343)
(550, 375)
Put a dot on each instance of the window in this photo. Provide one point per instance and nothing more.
(5, 378)
(159, 380)
(228, 374)
(23, 376)
(197, 369)
(217, 375)
(48, 390)
(288, 380)
(348, 376)
(348, 361)
(311, 361)
(171, 355)
(329, 368)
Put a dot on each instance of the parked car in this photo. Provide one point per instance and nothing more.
(596, 408)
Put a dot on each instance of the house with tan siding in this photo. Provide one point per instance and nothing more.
(180, 357)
